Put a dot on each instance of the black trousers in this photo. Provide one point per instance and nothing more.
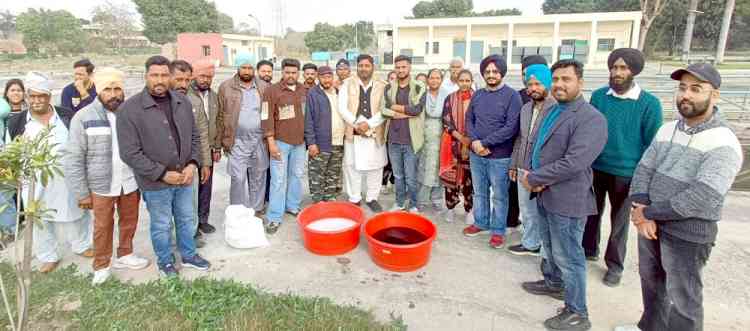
(617, 188)
(513, 210)
(671, 283)
(204, 198)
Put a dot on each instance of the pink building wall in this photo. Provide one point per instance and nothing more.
(192, 47)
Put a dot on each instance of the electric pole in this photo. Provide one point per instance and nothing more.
(728, 10)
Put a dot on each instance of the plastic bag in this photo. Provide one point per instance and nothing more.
(242, 229)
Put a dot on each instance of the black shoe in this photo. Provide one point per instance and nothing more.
(293, 212)
(168, 271)
(206, 228)
(612, 279)
(592, 258)
(375, 206)
(196, 262)
(272, 227)
(540, 288)
(520, 250)
(568, 321)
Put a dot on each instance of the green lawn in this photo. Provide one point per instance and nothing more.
(65, 300)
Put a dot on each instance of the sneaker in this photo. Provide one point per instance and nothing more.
(397, 207)
(293, 212)
(520, 250)
(497, 241)
(168, 271)
(375, 206)
(414, 210)
(100, 276)
(358, 203)
(272, 227)
(612, 279)
(469, 220)
(627, 328)
(568, 321)
(130, 261)
(196, 262)
(206, 228)
(540, 288)
(472, 231)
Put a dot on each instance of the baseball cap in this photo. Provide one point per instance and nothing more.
(703, 71)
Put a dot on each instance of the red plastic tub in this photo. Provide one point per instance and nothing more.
(400, 258)
(334, 242)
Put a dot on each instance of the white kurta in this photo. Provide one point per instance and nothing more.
(364, 154)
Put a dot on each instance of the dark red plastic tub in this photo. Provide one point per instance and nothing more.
(330, 243)
(400, 258)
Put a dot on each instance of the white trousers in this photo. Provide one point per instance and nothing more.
(78, 233)
(353, 183)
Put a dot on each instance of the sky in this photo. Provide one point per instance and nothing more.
(300, 15)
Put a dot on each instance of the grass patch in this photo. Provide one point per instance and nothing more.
(65, 300)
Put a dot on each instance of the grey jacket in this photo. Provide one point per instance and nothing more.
(574, 142)
(87, 157)
(522, 145)
(146, 142)
(203, 122)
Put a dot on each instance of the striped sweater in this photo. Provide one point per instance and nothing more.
(684, 176)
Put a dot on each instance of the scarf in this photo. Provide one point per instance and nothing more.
(452, 168)
(544, 131)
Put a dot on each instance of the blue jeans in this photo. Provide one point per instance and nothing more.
(8, 215)
(404, 163)
(286, 181)
(486, 173)
(530, 218)
(565, 265)
(163, 206)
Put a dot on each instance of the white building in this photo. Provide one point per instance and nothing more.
(588, 37)
(261, 47)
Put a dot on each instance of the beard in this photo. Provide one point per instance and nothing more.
(246, 78)
(181, 90)
(112, 104)
(203, 87)
(690, 109)
(622, 87)
(537, 96)
(266, 79)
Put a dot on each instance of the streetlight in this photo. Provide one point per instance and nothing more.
(258, 22)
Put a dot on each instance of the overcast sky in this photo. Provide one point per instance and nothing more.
(300, 15)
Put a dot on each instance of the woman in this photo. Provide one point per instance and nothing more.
(430, 192)
(456, 174)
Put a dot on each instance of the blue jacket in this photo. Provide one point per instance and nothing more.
(493, 118)
(70, 92)
(574, 142)
(318, 119)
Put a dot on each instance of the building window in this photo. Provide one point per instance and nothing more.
(435, 47)
(426, 47)
(568, 42)
(206, 50)
(389, 33)
(605, 45)
(244, 43)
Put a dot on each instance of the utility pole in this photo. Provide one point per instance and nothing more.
(728, 10)
(692, 11)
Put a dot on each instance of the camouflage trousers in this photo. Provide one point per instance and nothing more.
(324, 173)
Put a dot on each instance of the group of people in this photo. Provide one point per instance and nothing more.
(543, 153)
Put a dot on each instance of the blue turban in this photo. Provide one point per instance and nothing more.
(542, 73)
(499, 62)
(244, 58)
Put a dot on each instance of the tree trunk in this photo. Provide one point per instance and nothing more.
(24, 272)
(643, 34)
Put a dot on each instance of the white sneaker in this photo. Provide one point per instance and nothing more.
(100, 276)
(627, 328)
(131, 261)
(469, 220)
(396, 207)
(414, 210)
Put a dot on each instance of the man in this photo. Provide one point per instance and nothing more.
(558, 173)
(181, 79)
(633, 117)
(492, 125)
(81, 92)
(455, 67)
(342, 72)
(678, 191)
(265, 70)
(205, 107)
(239, 133)
(283, 123)
(538, 82)
(100, 180)
(67, 216)
(309, 75)
(324, 136)
(361, 103)
(404, 105)
(525, 63)
(160, 142)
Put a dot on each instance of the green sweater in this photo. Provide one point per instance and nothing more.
(632, 125)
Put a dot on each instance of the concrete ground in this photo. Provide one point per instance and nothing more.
(465, 286)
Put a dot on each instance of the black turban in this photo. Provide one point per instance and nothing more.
(632, 57)
(499, 62)
(531, 60)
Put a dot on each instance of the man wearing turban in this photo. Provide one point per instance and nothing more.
(633, 117)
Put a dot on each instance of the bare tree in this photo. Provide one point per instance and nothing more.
(651, 10)
(117, 21)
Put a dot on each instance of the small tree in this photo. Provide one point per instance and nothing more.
(25, 163)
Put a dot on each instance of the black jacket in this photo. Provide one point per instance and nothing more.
(17, 124)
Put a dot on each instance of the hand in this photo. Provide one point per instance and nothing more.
(465, 140)
(398, 108)
(363, 127)
(216, 155)
(512, 174)
(273, 151)
(188, 174)
(205, 174)
(636, 213)
(313, 150)
(524, 180)
(465, 152)
(647, 229)
(173, 178)
(86, 203)
(476, 146)
(484, 152)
